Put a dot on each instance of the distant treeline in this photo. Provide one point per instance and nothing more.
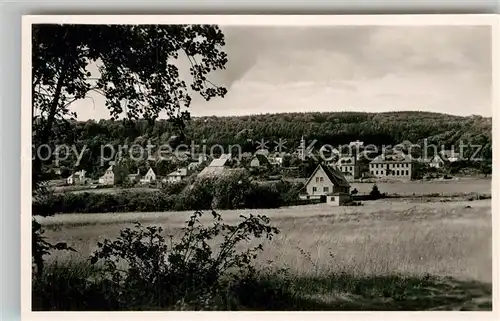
(337, 128)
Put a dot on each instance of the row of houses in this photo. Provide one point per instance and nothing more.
(109, 177)
(397, 165)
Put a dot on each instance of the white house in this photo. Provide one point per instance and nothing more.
(109, 176)
(77, 178)
(176, 176)
(397, 165)
(150, 177)
(328, 184)
(259, 160)
(349, 166)
(436, 162)
(193, 166)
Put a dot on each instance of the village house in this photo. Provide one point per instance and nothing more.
(397, 165)
(193, 166)
(176, 176)
(327, 184)
(262, 151)
(435, 162)
(259, 160)
(276, 158)
(150, 177)
(217, 165)
(134, 178)
(77, 178)
(349, 167)
(109, 176)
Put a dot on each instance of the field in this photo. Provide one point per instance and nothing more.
(383, 242)
(443, 187)
(111, 190)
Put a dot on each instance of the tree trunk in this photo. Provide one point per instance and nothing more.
(47, 129)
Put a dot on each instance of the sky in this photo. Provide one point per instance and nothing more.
(446, 69)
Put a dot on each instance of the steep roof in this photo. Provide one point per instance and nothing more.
(333, 174)
(262, 158)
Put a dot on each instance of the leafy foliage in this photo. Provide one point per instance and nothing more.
(144, 267)
(333, 128)
(203, 194)
(138, 74)
(375, 193)
(40, 247)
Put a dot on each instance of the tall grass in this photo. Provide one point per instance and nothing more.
(390, 256)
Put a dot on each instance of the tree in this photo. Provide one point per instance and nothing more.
(375, 193)
(138, 73)
(485, 168)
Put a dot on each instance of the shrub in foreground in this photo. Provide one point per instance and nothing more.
(141, 269)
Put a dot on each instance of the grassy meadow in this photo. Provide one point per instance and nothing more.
(386, 255)
(443, 187)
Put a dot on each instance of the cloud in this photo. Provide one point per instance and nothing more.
(359, 68)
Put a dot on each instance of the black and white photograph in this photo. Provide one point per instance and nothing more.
(201, 166)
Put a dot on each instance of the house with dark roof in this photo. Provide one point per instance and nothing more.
(327, 184)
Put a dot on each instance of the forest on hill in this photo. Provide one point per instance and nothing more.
(334, 128)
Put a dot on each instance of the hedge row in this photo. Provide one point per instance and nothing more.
(227, 192)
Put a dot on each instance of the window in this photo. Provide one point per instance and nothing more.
(333, 198)
(350, 168)
(371, 172)
(325, 189)
(407, 165)
(314, 188)
(376, 172)
(397, 173)
(317, 179)
(407, 173)
(321, 179)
